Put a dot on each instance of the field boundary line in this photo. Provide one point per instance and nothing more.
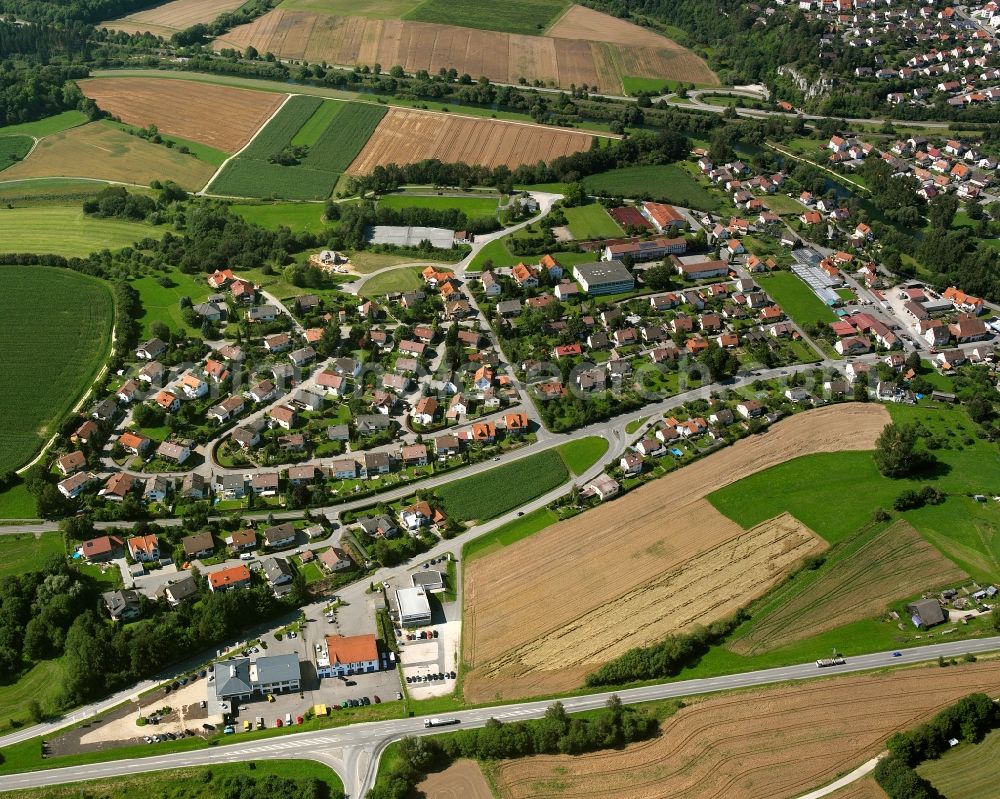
(257, 133)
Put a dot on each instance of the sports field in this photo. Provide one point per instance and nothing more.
(219, 116)
(591, 222)
(796, 299)
(102, 151)
(969, 771)
(773, 743)
(168, 18)
(408, 137)
(66, 231)
(660, 546)
(56, 333)
(666, 183)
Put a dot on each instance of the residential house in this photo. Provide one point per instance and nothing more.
(199, 545)
(231, 579)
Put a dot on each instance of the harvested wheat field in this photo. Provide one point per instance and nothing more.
(461, 780)
(770, 744)
(865, 788)
(104, 152)
(167, 19)
(223, 117)
(897, 562)
(406, 137)
(560, 58)
(520, 601)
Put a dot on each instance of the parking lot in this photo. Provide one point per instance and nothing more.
(424, 657)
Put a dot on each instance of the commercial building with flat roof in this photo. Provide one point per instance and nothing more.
(276, 673)
(604, 277)
(414, 609)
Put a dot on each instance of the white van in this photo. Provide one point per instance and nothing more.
(288, 719)
(247, 556)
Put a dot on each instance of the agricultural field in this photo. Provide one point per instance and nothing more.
(162, 303)
(512, 16)
(516, 625)
(406, 137)
(865, 788)
(375, 9)
(461, 780)
(471, 206)
(102, 151)
(199, 782)
(57, 327)
(591, 222)
(46, 126)
(334, 132)
(866, 576)
(666, 183)
(13, 149)
(796, 299)
(222, 117)
(496, 491)
(169, 18)
(582, 48)
(509, 533)
(298, 217)
(65, 231)
(775, 743)
(969, 771)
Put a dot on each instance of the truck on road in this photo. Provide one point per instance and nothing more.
(824, 662)
(436, 722)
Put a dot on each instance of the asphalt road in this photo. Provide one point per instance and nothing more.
(353, 750)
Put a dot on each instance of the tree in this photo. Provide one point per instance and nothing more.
(160, 330)
(897, 453)
(721, 363)
(941, 211)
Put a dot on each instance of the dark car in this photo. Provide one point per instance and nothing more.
(349, 682)
(365, 700)
(435, 633)
(377, 700)
(208, 726)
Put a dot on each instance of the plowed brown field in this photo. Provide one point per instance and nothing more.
(406, 137)
(570, 56)
(529, 595)
(461, 780)
(107, 153)
(896, 563)
(770, 744)
(169, 18)
(223, 117)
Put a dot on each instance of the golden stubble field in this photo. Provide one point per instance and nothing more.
(463, 779)
(407, 137)
(776, 743)
(102, 151)
(526, 604)
(223, 117)
(584, 48)
(167, 19)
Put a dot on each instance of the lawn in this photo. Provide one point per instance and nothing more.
(24, 552)
(392, 280)
(582, 453)
(635, 424)
(42, 682)
(56, 334)
(509, 533)
(513, 16)
(47, 126)
(473, 207)
(969, 771)
(591, 221)
(13, 149)
(17, 503)
(162, 303)
(65, 231)
(202, 782)
(796, 299)
(812, 486)
(298, 217)
(497, 491)
(668, 183)
(496, 252)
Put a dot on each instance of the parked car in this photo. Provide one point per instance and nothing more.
(277, 723)
(229, 729)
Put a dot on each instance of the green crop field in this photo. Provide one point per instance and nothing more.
(13, 149)
(969, 771)
(201, 782)
(162, 303)
(582, 453)
(497, 491)
(345, 132)
(56, 333)
(472, 207)
(317, 123)
(299, 217)
(65, 231)
(47, 126)
(634, 85)
(667, 183)
(796, 299)
(512, 16)
(591, 222)
(508, 534)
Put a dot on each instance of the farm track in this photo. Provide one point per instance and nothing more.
(772, 744)
(517, 597)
